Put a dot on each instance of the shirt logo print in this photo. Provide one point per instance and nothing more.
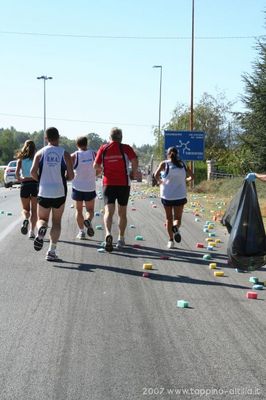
(52, 159)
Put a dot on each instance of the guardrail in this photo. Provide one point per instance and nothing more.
(220, 175)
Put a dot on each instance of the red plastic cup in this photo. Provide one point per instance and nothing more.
(200, 245)
(252, 295)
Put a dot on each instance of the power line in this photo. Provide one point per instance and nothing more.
(111, 37)
(78, 120)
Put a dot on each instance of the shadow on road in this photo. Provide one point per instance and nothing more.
(188, 256)
(152, 275)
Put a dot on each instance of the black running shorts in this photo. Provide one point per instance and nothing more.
(29, 189)
(113, 193)
(172, 203)
(46, 202)
(77, 195)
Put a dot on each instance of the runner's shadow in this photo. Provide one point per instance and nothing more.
(152, 275)
(83, 243)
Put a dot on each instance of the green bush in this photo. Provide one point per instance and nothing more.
(200, 171)
(1, 176)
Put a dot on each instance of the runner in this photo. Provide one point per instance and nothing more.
(83, 186)
(113, 160)
(52, 166)
(172, 177)
(28, 188)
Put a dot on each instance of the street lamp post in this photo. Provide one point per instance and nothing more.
(191, 122)
(45, 78)
(160, 101)
(192, 72)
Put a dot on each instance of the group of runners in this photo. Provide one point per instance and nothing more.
(44, 175)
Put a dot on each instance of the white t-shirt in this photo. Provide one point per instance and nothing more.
(173, 185)
(85, 174)
(52, 169)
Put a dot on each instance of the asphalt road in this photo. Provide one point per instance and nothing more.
(92, 327)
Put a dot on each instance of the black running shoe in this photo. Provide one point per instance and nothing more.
(90, 231)
(38, 241)
(177, 235)
(24, 227)
(108, 245)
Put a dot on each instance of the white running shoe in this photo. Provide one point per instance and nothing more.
(51, 256)
(170, 244)
(120, 243)
(81, 235)
(31, 235)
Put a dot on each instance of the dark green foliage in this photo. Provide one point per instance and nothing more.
(200, 171)
(95, 141)
(253, 120)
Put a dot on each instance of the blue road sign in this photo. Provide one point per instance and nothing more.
(190, 144)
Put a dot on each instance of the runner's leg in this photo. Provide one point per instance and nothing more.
(56, 224)
(25, 201)
(108, 218)
(178, 212)
(122, 220)
(43, 216)
(79, 214)
(33, 214)
(169, 220)
(90, 209)
(42, 223)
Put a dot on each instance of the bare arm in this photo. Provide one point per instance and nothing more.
(73, 158)
(69, 166)
(190, 175)
(35, 167)
(134, 165)
(158, 171)
(98, 168)
(18, 168)
(261, 177)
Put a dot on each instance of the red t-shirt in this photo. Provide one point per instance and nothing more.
(115, 167)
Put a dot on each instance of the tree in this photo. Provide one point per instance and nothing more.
(253, 120)
(144, 154)
(8, 145)
(95, 141)
(212, 116)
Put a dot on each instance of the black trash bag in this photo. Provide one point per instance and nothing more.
(229, 216)
(247, 242)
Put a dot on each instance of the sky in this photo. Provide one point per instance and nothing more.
(101, 54)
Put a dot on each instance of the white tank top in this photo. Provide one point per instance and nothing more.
(173, 185)
(52, 169)
(85, 174)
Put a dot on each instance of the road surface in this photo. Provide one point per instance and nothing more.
(91, 327)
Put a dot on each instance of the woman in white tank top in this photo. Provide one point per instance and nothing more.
(172, 175)
(83, 186)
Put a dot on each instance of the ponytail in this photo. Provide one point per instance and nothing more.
(174, 157)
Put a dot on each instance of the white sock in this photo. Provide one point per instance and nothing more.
(52, 247)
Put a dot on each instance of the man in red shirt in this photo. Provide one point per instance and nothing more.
(113, 160)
